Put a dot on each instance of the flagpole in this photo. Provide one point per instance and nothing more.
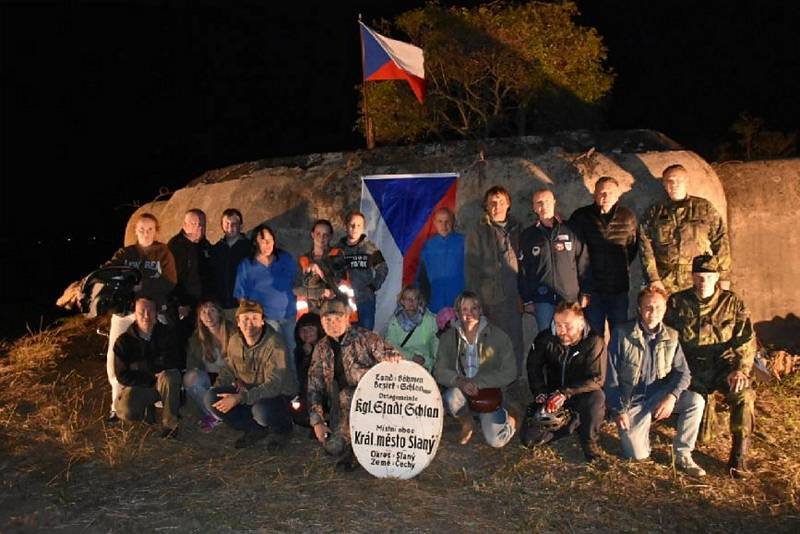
(368, 126)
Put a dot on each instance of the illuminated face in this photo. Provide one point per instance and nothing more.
(652, 309)
(209, 315)
(193, 227)
(443, 223)
(544, 205)
(409, 301)
(145, 232)
(705, 283)
(335, 323)
(606, 195)
(251, 324)
(308, 334)
(469, 313)
(675, 184)
(231, 225)
(145, 313)
(321, 235)
(265, 242)
(497, 207)
(569, 327)
(355, 228)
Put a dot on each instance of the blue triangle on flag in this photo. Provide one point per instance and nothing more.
(406, 204)
(375, 56)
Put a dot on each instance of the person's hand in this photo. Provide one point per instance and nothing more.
(183, 312)
(624, 421)
(227, 401)
(541, 398)
(529, 308)
(583, 300)
(737, 381)
(467, 386)
(664, 408)
(555, 401)
(658, 284)
(321, 431)
(725, 285)
(327, 294)
(418, 359)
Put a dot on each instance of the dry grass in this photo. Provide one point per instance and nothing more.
(62, 467)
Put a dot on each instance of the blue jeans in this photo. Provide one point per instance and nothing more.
(496, 427)
(196, 382)
(544, 312)
(272, 412)
(611, 307)
(366, 314)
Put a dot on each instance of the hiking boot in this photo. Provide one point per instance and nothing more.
(251, 437)
(591, 450)
(169, 433)
(687, 464)
(467, 428)
(149, 414)
(347, 463)
(209, 423)
(736, 464)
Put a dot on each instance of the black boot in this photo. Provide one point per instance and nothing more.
(591, 450)
(736, 464)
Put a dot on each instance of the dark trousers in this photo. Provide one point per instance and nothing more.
(272, 412)
(611, 307)
(590, 409)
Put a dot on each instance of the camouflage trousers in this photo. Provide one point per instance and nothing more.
(741, 404)
(339, 421)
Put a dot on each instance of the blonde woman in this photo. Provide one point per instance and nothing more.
(205, 357)
(412, 328)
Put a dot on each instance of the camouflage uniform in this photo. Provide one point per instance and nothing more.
(672, 233)
(717, 336)
(361, 349)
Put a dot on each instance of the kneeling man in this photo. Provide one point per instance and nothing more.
(146, 363)
(338, 362)
(648, 379)
(253, 391)
(567, 368)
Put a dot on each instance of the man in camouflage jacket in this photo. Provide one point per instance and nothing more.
(717, 336)
(673, 232)
(338, 362)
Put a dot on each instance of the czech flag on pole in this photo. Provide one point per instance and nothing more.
(387, 59)
(399, 212)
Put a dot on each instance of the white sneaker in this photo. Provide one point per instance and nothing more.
(686, 464)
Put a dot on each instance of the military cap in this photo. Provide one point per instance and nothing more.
(249, 306)
(705, 264)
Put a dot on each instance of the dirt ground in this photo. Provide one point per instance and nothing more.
(62, 468)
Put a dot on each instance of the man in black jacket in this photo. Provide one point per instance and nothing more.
(226, 254)
(146, 364)
(554, 262)
(609, 230)
(567, 368)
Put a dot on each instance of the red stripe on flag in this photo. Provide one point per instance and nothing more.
(411, 258)
(390, 71)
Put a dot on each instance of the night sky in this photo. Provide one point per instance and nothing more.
(104, 102)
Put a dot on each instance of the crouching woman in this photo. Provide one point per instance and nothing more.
(475, 363)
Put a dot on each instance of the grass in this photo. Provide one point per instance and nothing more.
(63, 467)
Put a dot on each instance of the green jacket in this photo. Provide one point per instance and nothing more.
(491, 263)
(262, 368)
(716, 334)
(423, 342)
(497, 366)
(671, 234)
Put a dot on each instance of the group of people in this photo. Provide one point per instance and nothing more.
(264, 341)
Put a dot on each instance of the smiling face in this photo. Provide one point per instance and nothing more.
(652, 308)
(193, 227)
(308, 334)
(497, 207)
(145, 232)
(469, 313)
(210, 316)
(251, 324)
(231, 225)
(145, 313)
(266, 243)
